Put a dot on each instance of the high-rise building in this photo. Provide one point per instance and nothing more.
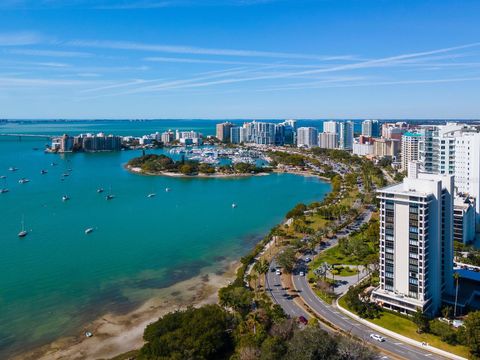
(238, 135)
(464, 219)
(410, 142)
(331, 127)
(453, 149)
(307, 137)
(467, 167)
(260, 133)
(386, 148)
(223, 131)
(345, 135)
(287, 132)
(416, 242)
(167, 137)
(328, 140)
(371, 128)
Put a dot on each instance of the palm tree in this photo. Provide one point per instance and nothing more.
(263, 269)
(456, 276)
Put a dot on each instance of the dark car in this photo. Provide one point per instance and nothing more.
(302, 320)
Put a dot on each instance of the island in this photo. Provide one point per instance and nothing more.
(163, 165)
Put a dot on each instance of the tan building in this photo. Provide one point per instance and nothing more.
(386, 147)
(223, 131)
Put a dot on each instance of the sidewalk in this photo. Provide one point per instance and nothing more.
(397, 336)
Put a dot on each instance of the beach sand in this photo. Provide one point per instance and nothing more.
(117, 334)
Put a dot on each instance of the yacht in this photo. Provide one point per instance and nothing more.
(99, 190)
(65, 174)
(89, 230)
(65, 198)
(3, 177)
(151, 195)
(22, 232)
(12, 168)
(23, 181)
(3, 191)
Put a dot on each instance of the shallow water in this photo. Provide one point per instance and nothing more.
(57, 278)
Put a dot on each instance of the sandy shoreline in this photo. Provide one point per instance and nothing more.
(117, 334)
(137, 170)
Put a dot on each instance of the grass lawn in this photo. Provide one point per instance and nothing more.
(347, 271)
(334, 256)
(407, 328)
(328, 298)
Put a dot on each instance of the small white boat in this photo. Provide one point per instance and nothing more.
(23, 181)
(43, 172)
(3, 191)
(151, 195)
(167, 189)
(23, 232)
(12, 168)
(100, 190)
(3, 177)
(65, 198)
(65, 174)
(89, 230)
(234, 205)
(53, 164)
(109, 197)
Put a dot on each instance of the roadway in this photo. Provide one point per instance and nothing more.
(331, 313)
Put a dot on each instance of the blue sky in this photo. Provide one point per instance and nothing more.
(239, 59)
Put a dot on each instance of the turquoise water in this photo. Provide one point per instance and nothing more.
(57, 278)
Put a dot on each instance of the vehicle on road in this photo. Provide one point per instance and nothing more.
(301, 273)
(278, 272)
(307, 259)
(377, 337)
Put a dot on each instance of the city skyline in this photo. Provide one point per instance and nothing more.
(239, 59)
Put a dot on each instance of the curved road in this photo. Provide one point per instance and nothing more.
(330, 313)
(349, 325)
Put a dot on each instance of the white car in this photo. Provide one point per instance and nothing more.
(278, 272)
(377, 337)
(302, 273)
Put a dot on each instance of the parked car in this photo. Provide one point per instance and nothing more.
(302, 320)
(377, 337)
(278, 272)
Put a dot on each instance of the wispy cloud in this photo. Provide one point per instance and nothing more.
(193, 50)
(48, 53)
(125, 4)
(20, 38)
(381, 62)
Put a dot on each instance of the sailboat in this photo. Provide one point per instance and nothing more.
(109, 196)
(88, 231)
(4, 189)
(23, 232)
